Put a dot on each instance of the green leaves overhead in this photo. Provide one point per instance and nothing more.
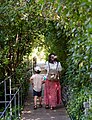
(67, 29)
(19, 25)
(69, 34)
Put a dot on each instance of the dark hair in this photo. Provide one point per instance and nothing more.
(38, 72)
(49, 59)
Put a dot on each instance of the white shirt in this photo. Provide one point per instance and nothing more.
(37, 82)
(53, 66)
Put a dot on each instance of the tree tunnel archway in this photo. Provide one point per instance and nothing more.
(66, 27)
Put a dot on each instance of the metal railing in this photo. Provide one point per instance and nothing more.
(13, 95)
(12, 100)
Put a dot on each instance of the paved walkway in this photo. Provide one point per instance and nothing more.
(29, 113)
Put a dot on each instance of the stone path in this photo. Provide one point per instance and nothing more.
(29, 113)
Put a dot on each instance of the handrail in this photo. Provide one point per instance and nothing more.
(10, 102)
(17, 95)
(1, 82)
(15, 100)
(7, 78)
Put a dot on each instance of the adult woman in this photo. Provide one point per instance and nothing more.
(52, 89)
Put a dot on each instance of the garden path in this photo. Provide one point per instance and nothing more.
(29, 113)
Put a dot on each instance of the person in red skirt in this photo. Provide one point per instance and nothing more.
(52, 88)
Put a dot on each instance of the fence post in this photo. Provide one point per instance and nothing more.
(15, 106)
(10, 98)
(18, 104)
(5, 91)
(21, 94)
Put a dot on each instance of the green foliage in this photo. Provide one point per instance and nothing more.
(68, 33)
(56, 40)
(67, 28)
(18, 22)
(78, 75)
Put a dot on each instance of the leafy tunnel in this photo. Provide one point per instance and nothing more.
(60, 26)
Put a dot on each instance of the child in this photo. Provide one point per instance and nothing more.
(37, 81)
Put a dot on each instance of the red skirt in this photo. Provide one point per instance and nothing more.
(52, 93)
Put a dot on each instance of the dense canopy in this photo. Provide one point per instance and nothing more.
(60, 26)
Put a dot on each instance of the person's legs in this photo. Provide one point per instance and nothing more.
(40, 101)
(46, 94)
(40, 98)
(35, 99)
(55, 94)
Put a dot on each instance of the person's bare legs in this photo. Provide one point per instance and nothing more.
(40, 101)
(35, 102)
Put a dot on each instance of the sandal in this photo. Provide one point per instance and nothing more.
(35, 107)
(47, 107)
(40, 105)
(52, 108)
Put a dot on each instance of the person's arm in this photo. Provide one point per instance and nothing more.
(59, 69)
(43, 81)
(31, 80)
(46, 67)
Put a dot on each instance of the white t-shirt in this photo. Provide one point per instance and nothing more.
(53, 66)
(37, 82)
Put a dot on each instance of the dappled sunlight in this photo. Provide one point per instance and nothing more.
(39, 54)
(39, 118)
(38, 49)
(23, 112)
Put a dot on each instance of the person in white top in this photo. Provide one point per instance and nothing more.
(53, 66)
(37, 81)
(52, 89)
